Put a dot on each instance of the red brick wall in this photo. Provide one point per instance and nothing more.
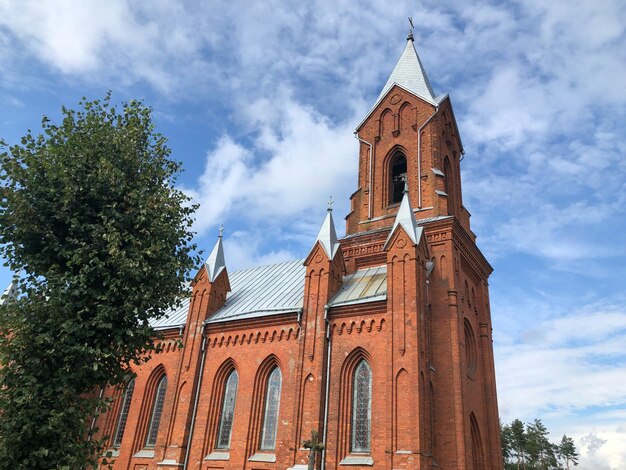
(425, 399)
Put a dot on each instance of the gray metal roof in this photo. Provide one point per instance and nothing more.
(279, 288)
(365, 285)
(255, 292)
(173, 319)
(263, 291)
(410, 74)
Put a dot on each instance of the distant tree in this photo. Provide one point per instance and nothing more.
(507, 442)
(519, 442)
(567, 451)
(541, 454)
(527, 446)
(89, 215)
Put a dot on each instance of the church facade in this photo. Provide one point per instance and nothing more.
(378, 345)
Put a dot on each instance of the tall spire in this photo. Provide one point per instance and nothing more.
(410, 74)
(216, 263)
(327, 235)
(406, 219)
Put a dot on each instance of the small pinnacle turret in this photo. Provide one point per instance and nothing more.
(406, 219)
(216, 263)
(327, 235)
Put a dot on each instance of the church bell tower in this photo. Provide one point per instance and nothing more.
(411, 135)
(410, 152)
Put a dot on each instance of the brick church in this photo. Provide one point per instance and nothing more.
(379, 341)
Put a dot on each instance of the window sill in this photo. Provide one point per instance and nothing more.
(144, 454)
(218, 455)
(111, 453)
(170, 463)
(260, 457)
(357, 460)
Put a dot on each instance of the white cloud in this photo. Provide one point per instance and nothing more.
(295, 160)
(100, 40)
(571, 371)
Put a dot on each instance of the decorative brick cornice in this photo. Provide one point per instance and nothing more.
(254, 337)
(340, 327)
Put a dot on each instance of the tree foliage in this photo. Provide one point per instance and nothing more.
(90, 218)
(527, 446)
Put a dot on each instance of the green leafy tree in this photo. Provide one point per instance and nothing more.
(89, 215)
(567, 451)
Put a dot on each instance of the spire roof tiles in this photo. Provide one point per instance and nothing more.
(327, 236)
(410, 75)
(216, 263)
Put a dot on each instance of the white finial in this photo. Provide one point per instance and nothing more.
(330, 204)
(406, 185)
(221, 232)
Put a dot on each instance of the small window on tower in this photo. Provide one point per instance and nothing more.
(398, 177)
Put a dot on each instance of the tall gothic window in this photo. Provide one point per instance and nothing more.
(361, 408)
(123, 417)
(157, 409)
(398, 177)
(270, 416)
(228, 411)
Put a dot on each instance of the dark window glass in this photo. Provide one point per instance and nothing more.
(157, 409)
(270, 418)
(361, 408)
(398, 177)
(123, 417)
(228, 411)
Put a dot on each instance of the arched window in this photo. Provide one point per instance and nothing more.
(398, 177)
(270, 416)
(123, 417)
(157, 409)
(471, 355)
(361, 408)
(228, 411)
(477, 447)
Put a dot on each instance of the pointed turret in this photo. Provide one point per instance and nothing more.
(216, 263)
(410, 75)
(328, 235)
(406, 219)
(9, 293)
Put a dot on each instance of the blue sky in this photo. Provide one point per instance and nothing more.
(256, 98)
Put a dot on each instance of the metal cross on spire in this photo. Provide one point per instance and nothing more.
(410, 36)
(330, 204)
(221, 230)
